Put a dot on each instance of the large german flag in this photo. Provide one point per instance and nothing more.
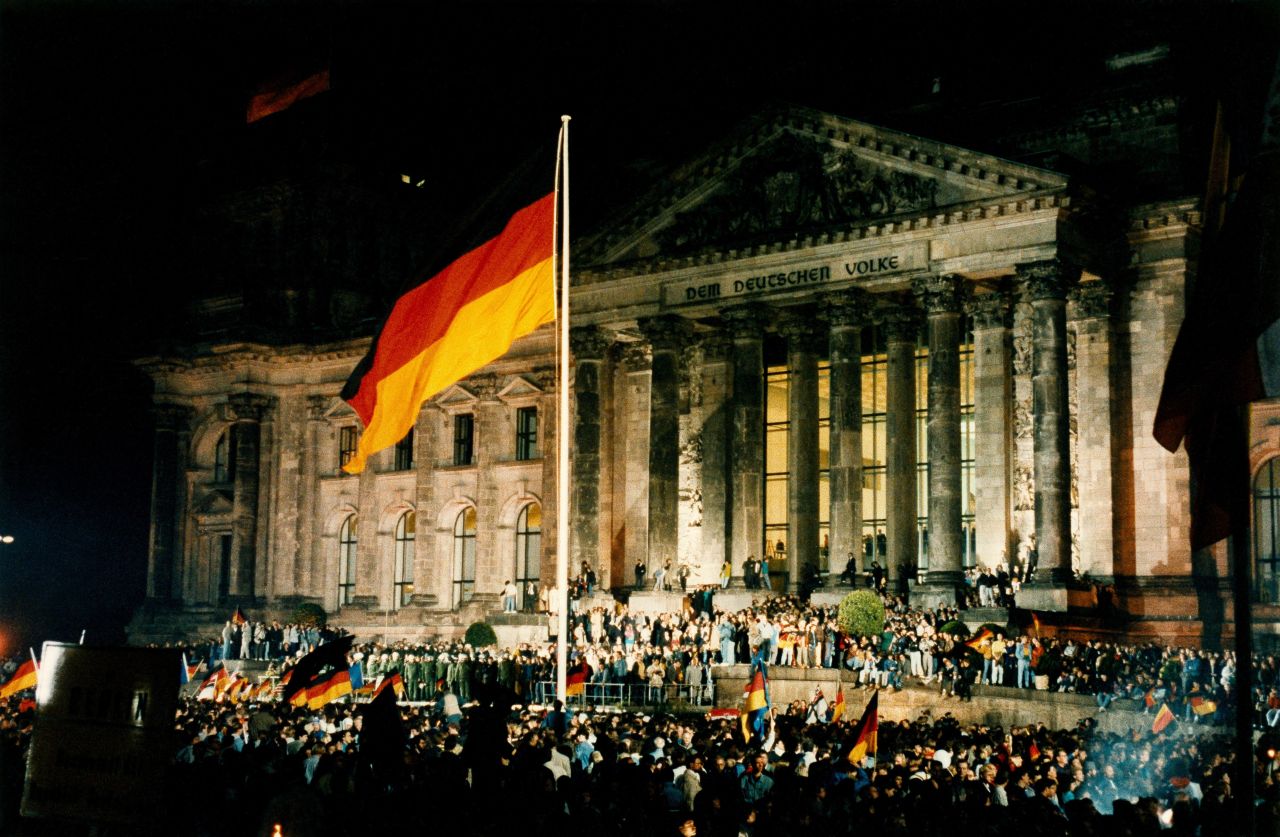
(460, 319)
(575, 681)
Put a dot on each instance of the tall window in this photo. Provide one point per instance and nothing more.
(527, 433)
(464, 428)
(922, 452)
(346, 444)
(874, 445)
(347, 560)
(406, 529)
(224, 567)
(528, 552)
(968, 451)
(224, 458)
(404, 452)
(464, 556)
(1266, 530)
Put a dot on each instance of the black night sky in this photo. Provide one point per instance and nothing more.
(109, 110)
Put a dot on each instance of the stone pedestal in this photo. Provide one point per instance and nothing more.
(1042, 596)
(932, 594)
(650, 601)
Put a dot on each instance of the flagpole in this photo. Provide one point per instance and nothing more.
(562, 428)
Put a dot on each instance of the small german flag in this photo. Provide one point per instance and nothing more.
(1163, 718)
(23, 678)
(575, 682)
(238, 617)
(981, 637)
(393, 680)
(863, 744)
(837, 708)
(1202, 705)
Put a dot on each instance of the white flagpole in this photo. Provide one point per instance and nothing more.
(562, 429)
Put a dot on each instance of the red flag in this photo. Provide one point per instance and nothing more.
(281, 94)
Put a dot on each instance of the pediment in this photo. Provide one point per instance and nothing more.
(456, 396)
(519, 388)
(799, 172)
(217, 502)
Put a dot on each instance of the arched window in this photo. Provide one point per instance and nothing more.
(528, 554)
(406, 527)
(347, 560)
(224, 458)
(464, 556)
(1266, 530)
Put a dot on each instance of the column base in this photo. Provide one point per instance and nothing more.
(1045, 596)
(932, 594)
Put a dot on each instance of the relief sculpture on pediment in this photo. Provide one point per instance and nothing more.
(795, 184)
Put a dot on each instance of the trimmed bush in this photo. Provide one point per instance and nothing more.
(481, 634)
(862, 613)
(309, 613)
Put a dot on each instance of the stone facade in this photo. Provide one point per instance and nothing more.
(680, 305)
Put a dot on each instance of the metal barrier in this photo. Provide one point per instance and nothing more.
(629, 694)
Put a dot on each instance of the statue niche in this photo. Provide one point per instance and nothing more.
(796, 184)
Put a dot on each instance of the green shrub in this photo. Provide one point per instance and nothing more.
(862, 613)
(481, 634)
(309, 613)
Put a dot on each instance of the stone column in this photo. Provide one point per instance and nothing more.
(309, 556)
(1044, 285)
(940, 297)
(993, 427)
(901, 326)
(589, 345)
(247, 410)
(715, 452)
(172, 438)
(803, 335)
(1091, 309)
(666, 335)
(746, 324)
(845, 312)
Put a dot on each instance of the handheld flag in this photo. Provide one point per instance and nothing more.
(460, 319)
(1202, 705)
(863, 743)
(755, 706)
(837, 709)
(300, 676)
(282, 94)
(23, 678)
(1163, 718)
(329, 688)
(576, 680)
(210, 687)
(392, 680)
(982, 636)
(1035, 622)
(237, 618)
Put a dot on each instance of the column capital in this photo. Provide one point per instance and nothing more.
(635, 357)
(901, 323)
(850, 307)
(171, 417)
(317, 406)
(990, 310)
(665, 331)
(745, 321)
(1048, 279)
(249, 406)
(715, 345)
(1091, 300)
(589, 342)
(939, 294)
(801, 328)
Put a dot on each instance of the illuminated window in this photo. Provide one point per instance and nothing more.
(406, 529)
(347, 560)
(1266, 530)
(528, 553)
(874, 445)
(464, 556)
